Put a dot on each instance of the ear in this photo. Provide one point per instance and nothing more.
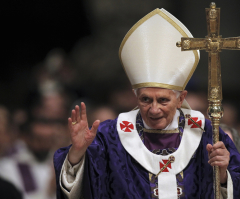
(181, 98)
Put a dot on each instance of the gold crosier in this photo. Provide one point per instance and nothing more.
(213, 43)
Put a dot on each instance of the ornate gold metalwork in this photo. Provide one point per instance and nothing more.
(215, 110)
(214, 92)
(179, 44)
(213, 43)
(213, 12)
(186, 44)
(171, 159)
(238, 43)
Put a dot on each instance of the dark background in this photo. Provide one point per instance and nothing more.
(90, 33)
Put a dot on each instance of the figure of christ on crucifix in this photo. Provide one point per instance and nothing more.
(213, 43)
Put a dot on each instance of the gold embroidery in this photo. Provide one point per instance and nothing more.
(160, 131)
(158, 85)
(181, 173)
(150, 176)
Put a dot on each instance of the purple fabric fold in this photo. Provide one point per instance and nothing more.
(27, 177)
(155, 141)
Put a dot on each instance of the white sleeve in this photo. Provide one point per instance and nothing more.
(227, 193)
(71, 178)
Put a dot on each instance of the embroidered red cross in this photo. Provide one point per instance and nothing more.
(163, 164)
(196, 120)
(126, 126)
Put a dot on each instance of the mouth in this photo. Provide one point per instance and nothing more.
(156, 118)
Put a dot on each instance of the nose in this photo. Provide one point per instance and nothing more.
(155, 108)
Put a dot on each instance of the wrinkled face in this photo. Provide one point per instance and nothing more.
(158, 106)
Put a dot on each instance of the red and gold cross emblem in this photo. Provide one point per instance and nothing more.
(126, 126)
(195, 119)
(165, 165)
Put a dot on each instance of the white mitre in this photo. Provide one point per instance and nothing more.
(150, 57)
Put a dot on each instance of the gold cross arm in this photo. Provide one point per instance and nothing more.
(213, 43)
(209, 44)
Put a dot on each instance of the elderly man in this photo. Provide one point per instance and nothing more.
(160, 150)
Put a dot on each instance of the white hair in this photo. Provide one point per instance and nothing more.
(176, 92)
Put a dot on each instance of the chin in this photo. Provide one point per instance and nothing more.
(157, 126)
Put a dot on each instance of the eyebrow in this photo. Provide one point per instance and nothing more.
(145, 95)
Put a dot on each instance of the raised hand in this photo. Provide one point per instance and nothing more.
(81, 136)
(219, 156)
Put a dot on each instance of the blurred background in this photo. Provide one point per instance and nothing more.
(56, 54)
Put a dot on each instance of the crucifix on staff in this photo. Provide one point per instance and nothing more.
(213, 43)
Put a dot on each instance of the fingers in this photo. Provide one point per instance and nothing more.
(209, 148)
(83, 114)
(219, 145)
(220, 161)
(74, 119)
(73, 115)
(218, 155)
(78, 115)
(70, 123)
(95, 126)
(218, 152)
(217, 149)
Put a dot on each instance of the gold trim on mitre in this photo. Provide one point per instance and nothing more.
(158, 85)
(180, 30)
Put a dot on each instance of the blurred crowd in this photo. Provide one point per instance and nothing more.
(31, 134)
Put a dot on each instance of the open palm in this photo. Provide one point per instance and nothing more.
(81, 135)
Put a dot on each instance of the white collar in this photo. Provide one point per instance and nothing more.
(167, 183)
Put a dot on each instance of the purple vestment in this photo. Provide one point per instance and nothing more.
(110, 172)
